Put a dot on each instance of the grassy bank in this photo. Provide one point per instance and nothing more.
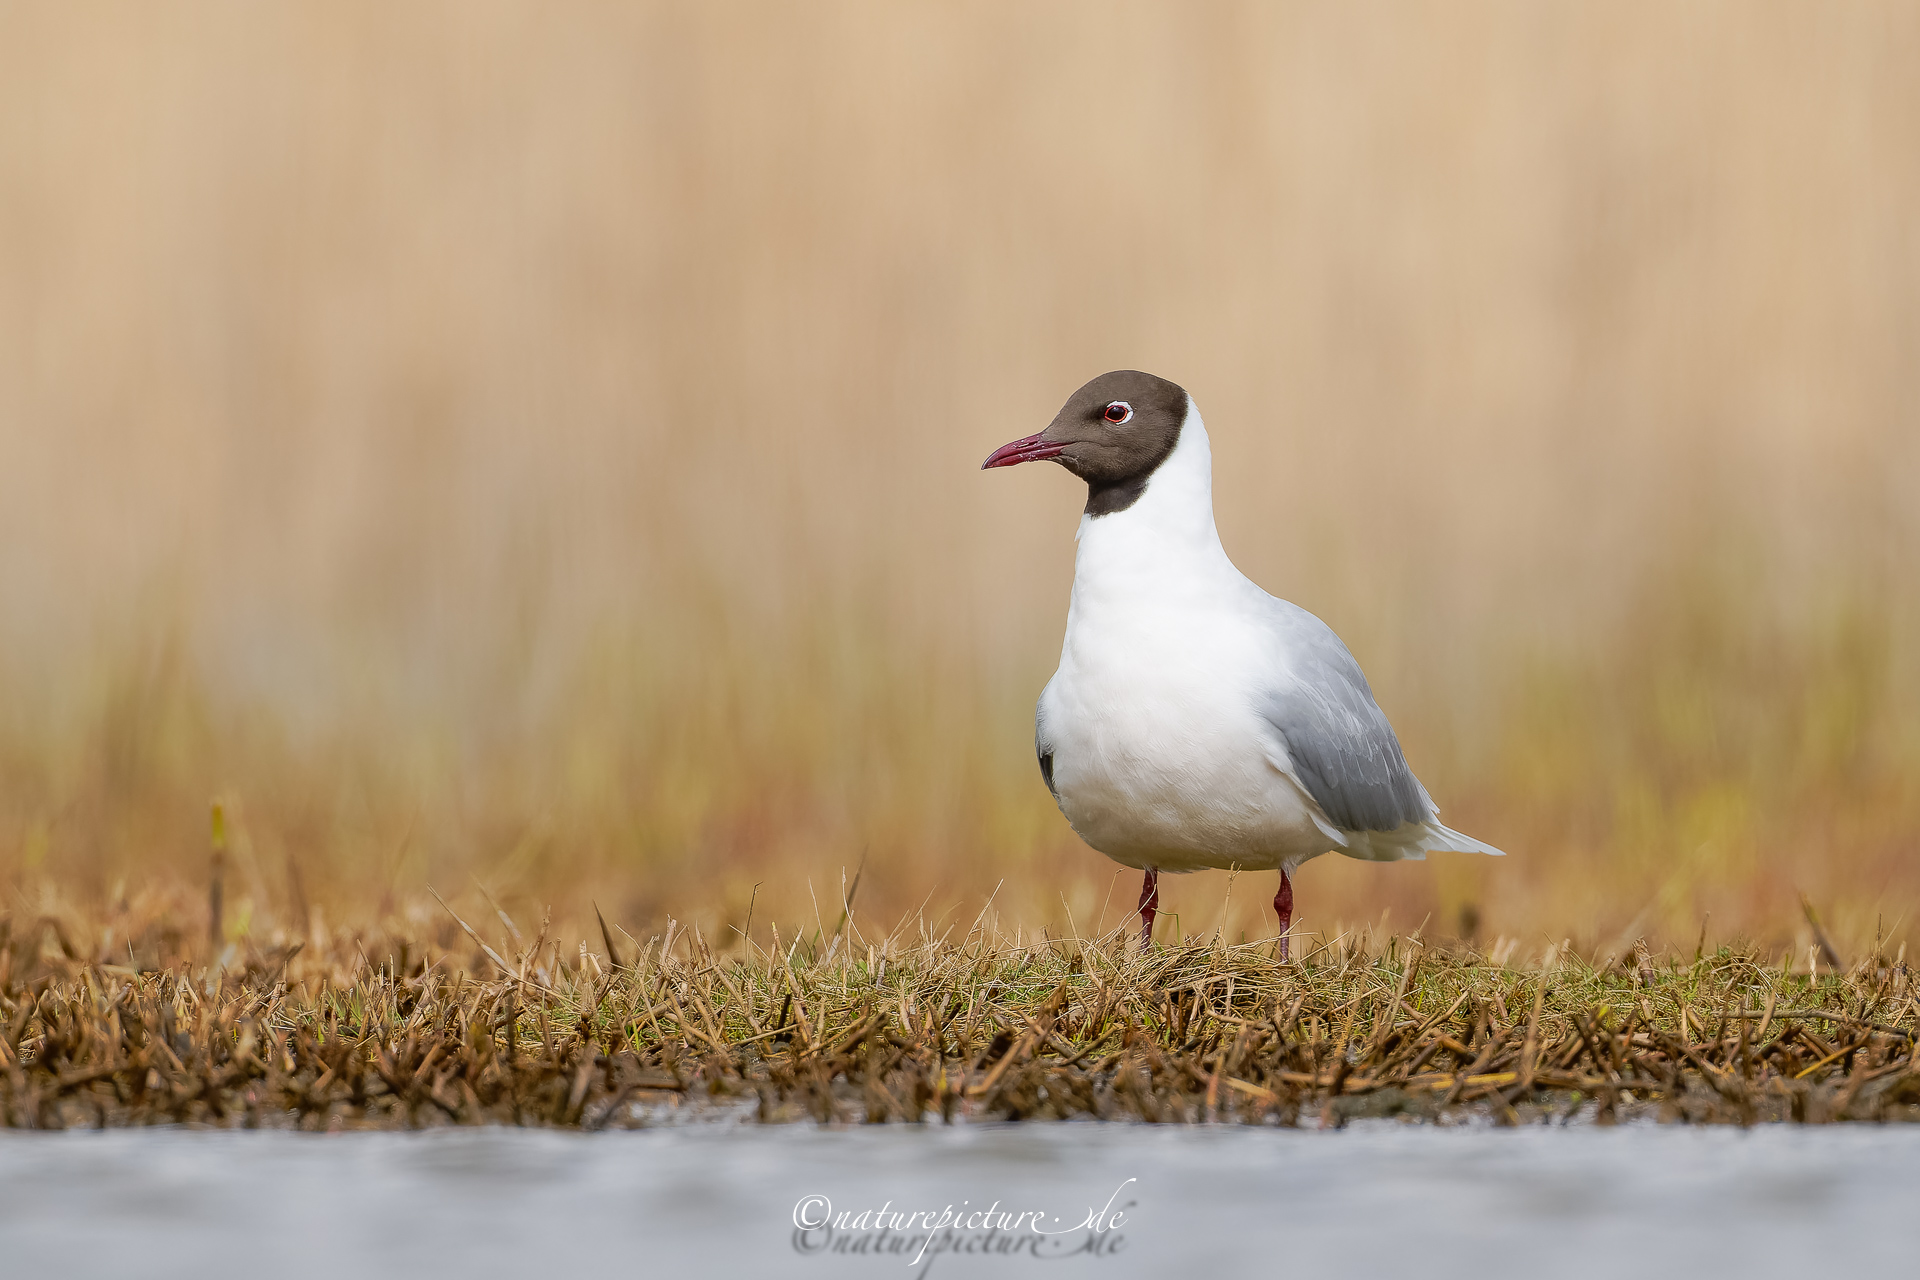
(405, 1032)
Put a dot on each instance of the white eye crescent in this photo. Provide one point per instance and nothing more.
(1118, 412)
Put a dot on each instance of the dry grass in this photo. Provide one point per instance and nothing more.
(404, 1032)
(485, 442)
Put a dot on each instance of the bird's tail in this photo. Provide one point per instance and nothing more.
(1441, 839)
(1410, 843)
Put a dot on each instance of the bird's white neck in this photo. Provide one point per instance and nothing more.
(1165, 542)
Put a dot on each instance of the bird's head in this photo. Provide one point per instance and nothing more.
(1112, 433)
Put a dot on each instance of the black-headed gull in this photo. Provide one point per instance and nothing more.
(1197, 722)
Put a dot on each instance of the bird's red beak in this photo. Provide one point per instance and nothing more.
(1030, 449)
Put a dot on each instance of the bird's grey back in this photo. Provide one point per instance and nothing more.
(1343, 750)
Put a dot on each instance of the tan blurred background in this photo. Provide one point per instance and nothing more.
(535, 446)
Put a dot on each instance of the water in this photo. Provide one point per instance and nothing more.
(1374, 1200)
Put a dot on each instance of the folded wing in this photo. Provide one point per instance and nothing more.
(1342, 752)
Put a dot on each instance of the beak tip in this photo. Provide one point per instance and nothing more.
(1030, 449)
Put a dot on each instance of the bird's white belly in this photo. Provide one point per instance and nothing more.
(1158, 762)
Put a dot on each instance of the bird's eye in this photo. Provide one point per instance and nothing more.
(1118, 412)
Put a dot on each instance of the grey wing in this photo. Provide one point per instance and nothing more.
(1343, 750)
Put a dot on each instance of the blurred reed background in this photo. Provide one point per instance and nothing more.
(535, 446)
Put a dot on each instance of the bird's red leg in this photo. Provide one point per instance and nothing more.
(1149, 904)
(1283, 907)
